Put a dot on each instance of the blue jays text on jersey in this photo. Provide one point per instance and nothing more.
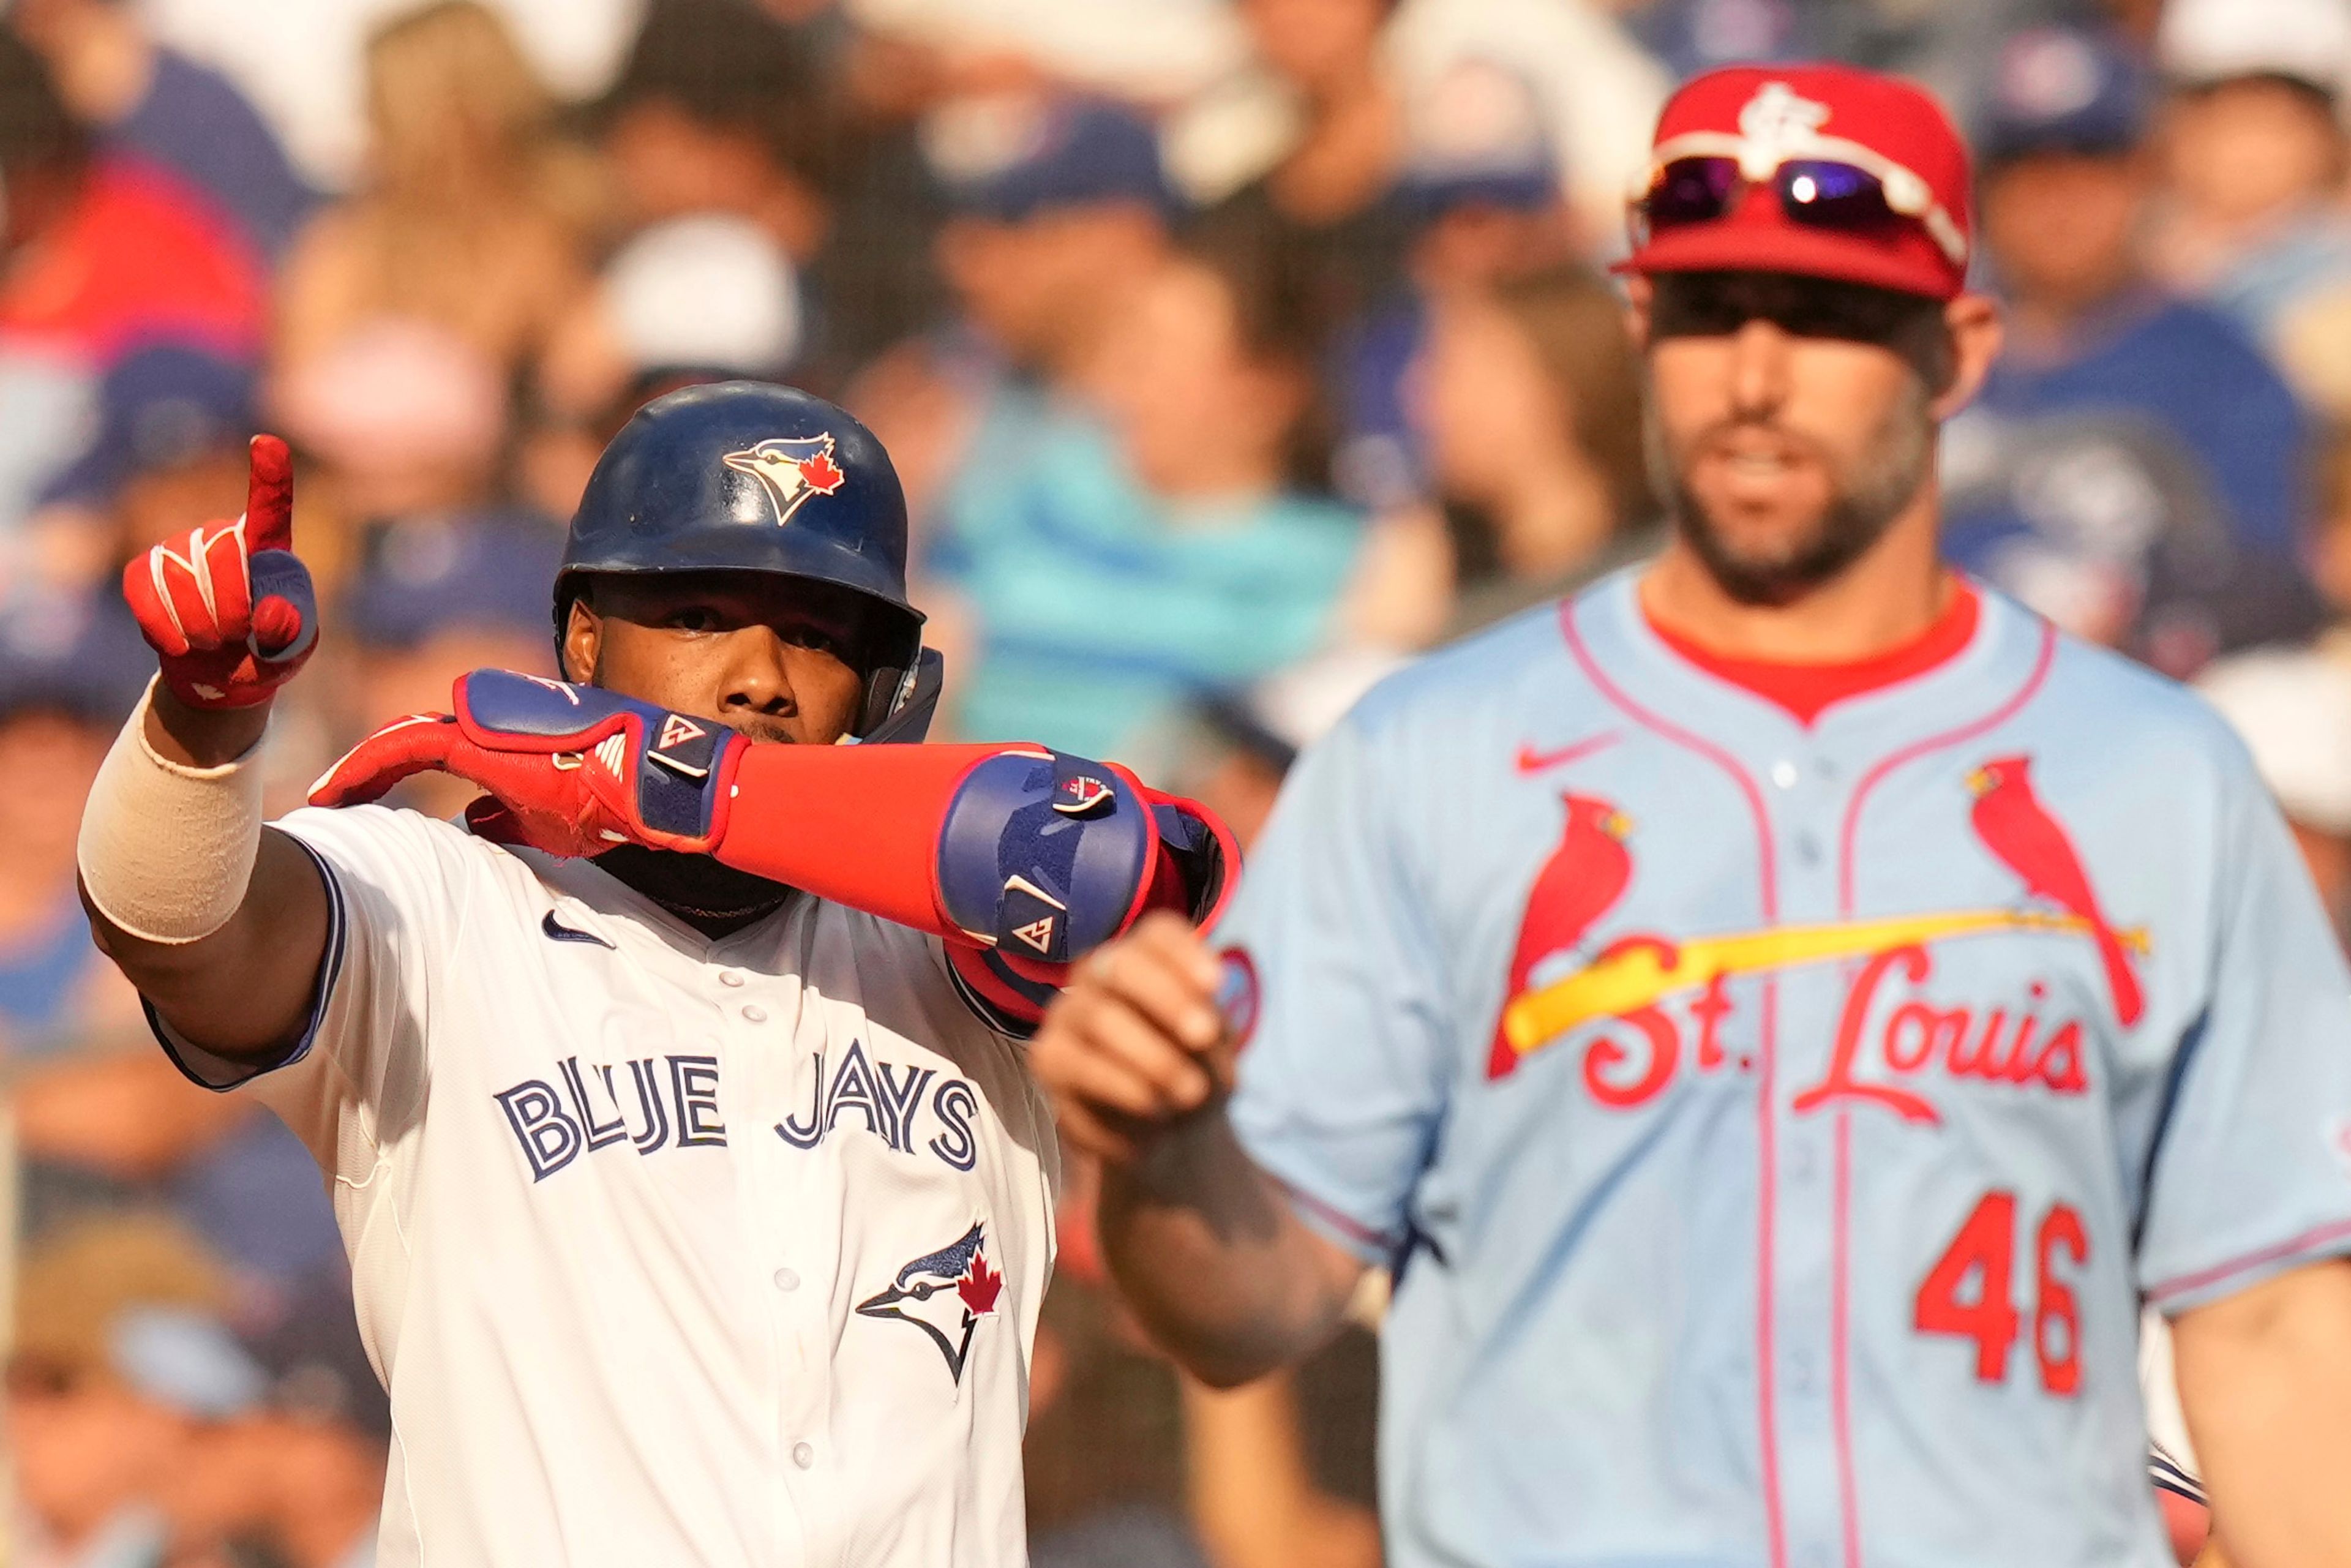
(654, 1102)
(1779, 1121)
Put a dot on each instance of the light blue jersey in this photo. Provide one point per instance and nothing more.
(1778, 1125)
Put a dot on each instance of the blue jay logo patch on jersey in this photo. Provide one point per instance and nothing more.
(792, 469)
(945, 1294)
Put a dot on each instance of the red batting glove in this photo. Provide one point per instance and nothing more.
(228, 606)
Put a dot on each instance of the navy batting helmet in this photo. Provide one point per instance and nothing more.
(747, 476)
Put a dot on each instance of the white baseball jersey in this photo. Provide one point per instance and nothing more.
(669, 1250)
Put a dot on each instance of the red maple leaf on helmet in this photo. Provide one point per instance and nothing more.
(980, 1288)
(822, 474)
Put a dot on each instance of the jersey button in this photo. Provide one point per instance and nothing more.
(755, 1012)
(786, 1280)
(803, 1455)
(1783, 774)
(730, 976)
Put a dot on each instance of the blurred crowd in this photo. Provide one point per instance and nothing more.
(1231, 352)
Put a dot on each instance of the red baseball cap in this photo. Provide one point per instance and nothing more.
(1764, 116)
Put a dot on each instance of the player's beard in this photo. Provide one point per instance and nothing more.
(1865, 499)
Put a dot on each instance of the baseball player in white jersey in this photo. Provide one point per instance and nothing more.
(1779, 1012)
(698, 1202)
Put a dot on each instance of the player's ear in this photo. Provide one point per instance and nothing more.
(583, 641)
(1973, 323)
(1638, 293)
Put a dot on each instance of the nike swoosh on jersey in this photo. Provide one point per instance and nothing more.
(1533, 761)
(558, 931)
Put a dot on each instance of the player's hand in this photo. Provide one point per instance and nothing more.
(1135, 1042)
(227, 606)
(571, 770)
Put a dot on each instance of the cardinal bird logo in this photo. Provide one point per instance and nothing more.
(945, 1294)
(792, 470)
(2017, 828)
(1581, 881)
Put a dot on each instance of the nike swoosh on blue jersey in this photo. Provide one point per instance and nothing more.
(559, 932)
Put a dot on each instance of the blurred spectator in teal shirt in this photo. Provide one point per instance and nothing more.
(1180, 541)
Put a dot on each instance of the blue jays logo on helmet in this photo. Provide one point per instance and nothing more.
(792, 469)
(945, 1294)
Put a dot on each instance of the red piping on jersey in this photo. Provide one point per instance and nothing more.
(1809, 690)
(1766, 1131)
(1840, 1337)
(1841, 1202)
(2309, 1240)
(1911, 753)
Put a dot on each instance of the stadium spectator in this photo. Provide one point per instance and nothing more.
(68, 674)
(101, 254)
(150, 100)
(1186, 545)
(97, 1125)
(1059, 214)
(118, 1359)
(461, 248)
(1334, 180)
(1527, 400)
(2132, 467)
(1104, 1460)
(721, 108)
(708, 296)
(1481, 182)
(1150, 51)
(2254, 159)
(167, 452)
(436, 597)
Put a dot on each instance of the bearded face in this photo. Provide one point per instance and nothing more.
(1790, 421)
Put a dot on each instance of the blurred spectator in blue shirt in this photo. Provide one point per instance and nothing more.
(2253, 160)
(1113, 569)
(1059, 212)
(97, 1122)
(146, 98)
(69, 673)
(1483, 186)
(2133, 467)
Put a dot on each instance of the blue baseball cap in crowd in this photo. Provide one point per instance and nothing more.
(2063, 89)
(420, 577)
(78, 655)
(1477, 136)
(1010, 159)
(158, 405)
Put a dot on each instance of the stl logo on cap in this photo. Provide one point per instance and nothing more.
(1777, 125)
(790, 469)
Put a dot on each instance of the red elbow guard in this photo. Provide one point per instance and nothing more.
(1039, 856)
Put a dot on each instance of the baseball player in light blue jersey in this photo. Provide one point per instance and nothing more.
(1780, 1012)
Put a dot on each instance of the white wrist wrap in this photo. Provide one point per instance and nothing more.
(166, 849)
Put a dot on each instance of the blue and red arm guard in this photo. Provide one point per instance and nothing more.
(1033, 856)
(1024, 859)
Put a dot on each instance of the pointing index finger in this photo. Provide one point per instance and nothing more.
(269, 496)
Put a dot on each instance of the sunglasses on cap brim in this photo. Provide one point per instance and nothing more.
(1829, 183)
